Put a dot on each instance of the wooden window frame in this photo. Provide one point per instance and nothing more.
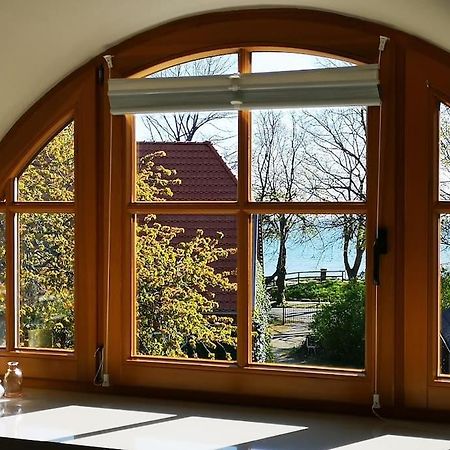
(83, 96)
(73, 102)
(423, 386)
(439, 207)
(242, 209)
(178, 43)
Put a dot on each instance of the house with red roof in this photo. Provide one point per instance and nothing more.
(204, 176)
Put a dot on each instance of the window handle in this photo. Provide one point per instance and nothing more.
(380, 247)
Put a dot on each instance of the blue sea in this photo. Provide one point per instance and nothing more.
(315, 254)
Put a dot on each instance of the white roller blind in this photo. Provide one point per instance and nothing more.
(356, 85)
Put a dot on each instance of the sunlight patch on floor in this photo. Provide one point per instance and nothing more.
(60, 424)
(390, 441)
(189, 433)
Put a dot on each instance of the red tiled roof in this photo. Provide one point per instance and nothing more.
(204, 174)
(204, 177)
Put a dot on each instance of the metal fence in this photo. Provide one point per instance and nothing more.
(301, 313)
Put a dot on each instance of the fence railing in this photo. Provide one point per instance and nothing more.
(317, 275)
(294, 278)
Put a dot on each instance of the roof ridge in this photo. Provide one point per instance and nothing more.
(224, 164)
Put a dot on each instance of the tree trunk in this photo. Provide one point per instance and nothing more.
(281, 263)
(352, 270)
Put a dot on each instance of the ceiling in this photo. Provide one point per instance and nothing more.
(43, 41)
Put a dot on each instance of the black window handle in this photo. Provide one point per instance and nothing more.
(380, 247)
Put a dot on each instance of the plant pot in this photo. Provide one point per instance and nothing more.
(40, 338)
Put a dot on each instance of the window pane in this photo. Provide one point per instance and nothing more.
(309, 290)
(444, 338)
(2, 281)
(50, 175)
(198, 170)
(186, 286)
(211, 65)
(46, 280)
(316, 154)
(280, 61)
(444, 152)
(188, 155)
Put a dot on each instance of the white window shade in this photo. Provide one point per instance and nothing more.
(356, 85)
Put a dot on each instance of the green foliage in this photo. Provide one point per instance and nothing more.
(262, 351)
(154, 181)
(2, 249)
(2, 280)
(177, 280)
(47, 276)
(318, 291)
(176, 277)
(445, 288)
(338, 327)
(2, 264)
(176, 305)
(47, 244)
(50, 176)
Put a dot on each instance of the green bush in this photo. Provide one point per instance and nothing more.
(315, 290)
(445, 288)
(338, 328)
(262, 349)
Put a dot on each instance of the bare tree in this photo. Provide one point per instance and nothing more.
(444, 172)
(444, 152)
(335, 155)
(312, 155)
(189, 126)
(335, 169)
(277, 156)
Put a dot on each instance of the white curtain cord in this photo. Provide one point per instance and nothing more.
(105, 355)
(383, 42)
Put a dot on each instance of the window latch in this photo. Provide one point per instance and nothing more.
(380, 247)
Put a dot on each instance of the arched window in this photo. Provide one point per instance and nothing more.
(307, 267)
(231, 252)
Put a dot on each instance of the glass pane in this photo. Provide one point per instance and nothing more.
(280, 61)
(2, 280)
(444, 152)
(50, 176)
(315, 154)
(211, 65)
(309, 290)
(186, 286)
(46, 280)
(444, 338)
(198, 170)
(188, 155)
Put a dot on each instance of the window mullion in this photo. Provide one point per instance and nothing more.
(244, 304)
(11, 266)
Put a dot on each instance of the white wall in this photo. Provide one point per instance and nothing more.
(42, 41)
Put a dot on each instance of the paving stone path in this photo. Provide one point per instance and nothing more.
(286, 337)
